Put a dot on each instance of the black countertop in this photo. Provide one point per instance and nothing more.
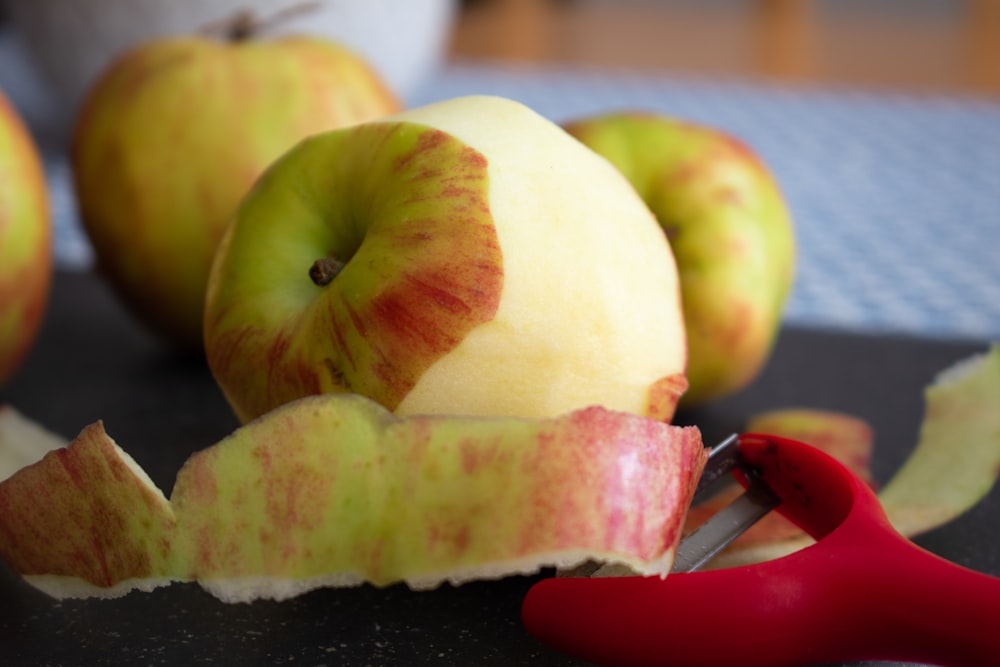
(93, 362)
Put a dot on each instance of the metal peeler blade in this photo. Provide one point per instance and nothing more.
(723, 527)
(701, 545)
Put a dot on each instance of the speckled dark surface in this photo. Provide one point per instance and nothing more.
(92, 362)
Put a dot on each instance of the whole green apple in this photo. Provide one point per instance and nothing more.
(25, 240)
(467, 257)
(730, 231)
(335, 490)
(173, 135)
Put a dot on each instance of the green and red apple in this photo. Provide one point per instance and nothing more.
(335, 490)
(467, 257)
(25, 240)
(173, 135)
(730, 231)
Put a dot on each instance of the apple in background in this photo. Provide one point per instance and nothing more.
(173, 135)
(458, 258)
(25, 240)
(730, 232)
(335, 490)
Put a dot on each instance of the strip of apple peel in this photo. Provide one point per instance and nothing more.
(334, 491)
(23, 441)
(953, 466)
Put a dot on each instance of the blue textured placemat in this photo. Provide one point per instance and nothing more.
(896, 199)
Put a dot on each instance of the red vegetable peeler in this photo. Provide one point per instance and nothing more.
(861, 592)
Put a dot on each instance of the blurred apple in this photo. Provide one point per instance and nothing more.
(730, 231)
(25, 241)
(174, 134)
(457, 258)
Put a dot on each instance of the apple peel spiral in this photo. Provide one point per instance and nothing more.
(335, 490)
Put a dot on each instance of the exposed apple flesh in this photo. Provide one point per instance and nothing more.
(452, 259)
(336, 490)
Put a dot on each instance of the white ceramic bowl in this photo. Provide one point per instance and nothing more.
(71, 41)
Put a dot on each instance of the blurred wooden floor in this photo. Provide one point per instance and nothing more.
(916, 45)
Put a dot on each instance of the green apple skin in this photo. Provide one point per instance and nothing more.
(730, 231)
(173, 135)
(477, 273)
(335, 490)
(25, 241)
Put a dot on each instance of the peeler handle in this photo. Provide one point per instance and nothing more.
(904, 603)
(862, 592)
(787, 613)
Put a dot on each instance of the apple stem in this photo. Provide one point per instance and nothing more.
(243, 26)
(324, 270)
(246, 25)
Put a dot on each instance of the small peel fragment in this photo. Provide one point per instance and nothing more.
(23, 441)
(86, 512)
(954, 465)
(844, 437)
(334, 490)
(847, 438)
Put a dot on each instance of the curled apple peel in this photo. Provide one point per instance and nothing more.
(335, 490)
(953, 466)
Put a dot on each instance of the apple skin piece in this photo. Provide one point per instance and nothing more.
(334, 490)
(175, 132)
(957, 458)
(847, 438)
(87, 521)
(730, 231)
(25, 241)
(470, 269)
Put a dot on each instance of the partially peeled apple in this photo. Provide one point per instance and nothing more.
(467, 257)
(335, 490)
